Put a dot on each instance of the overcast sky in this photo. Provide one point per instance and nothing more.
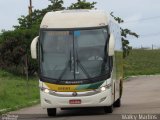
(141, 16)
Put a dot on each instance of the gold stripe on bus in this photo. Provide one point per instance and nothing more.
(62, 88)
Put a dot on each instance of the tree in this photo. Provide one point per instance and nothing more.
(15, 45)
(124, 34)
(56, 5)
(28, 22)
(82, 4)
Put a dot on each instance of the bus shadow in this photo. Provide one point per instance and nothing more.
(74, 113)
(81, 112)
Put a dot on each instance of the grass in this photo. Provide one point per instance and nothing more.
(142, 62)
(15, 93)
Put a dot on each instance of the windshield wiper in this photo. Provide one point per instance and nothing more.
(81, 66)
(69, 63)
(64, 71)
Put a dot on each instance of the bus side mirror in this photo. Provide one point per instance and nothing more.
(34, 48)
(111, 45)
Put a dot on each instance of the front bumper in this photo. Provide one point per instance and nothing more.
(104, 98)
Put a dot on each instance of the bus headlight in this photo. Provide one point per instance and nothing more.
(45, 90)
(104, 88)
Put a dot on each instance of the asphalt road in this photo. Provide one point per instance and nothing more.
(141, 95)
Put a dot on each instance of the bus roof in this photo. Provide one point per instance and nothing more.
(75, 19)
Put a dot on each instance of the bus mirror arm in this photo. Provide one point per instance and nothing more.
(34, 48)
(111, 45)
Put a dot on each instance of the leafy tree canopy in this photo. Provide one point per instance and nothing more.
(82, 4)
(124, 33)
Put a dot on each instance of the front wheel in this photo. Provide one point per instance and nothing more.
(51, 111)
(117, 103)
(108, 109)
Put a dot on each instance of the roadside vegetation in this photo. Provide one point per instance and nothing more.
(142, 62)
(16, 92)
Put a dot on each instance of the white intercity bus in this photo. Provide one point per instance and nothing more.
(80, 60)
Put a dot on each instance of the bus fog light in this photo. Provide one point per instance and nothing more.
(47, 101)
(102, 99)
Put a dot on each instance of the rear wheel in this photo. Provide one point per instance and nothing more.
(51, 111)
(117, 103)
(108, 109)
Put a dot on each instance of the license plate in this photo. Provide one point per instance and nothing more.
(74, 101)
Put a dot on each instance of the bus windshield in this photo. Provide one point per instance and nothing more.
(74, 54)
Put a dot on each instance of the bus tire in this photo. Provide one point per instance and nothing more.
(108, 109)
(51, 111)
(117, 103)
